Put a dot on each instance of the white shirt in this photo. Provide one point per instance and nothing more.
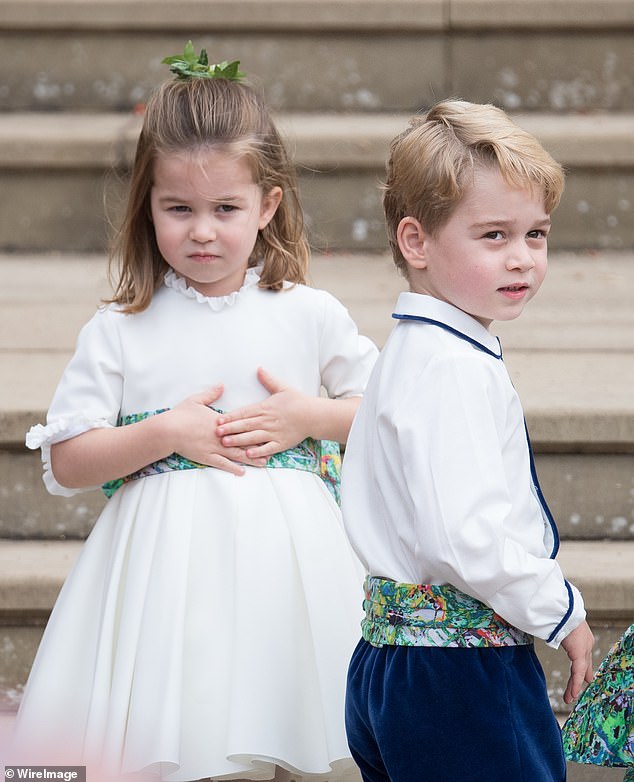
(437, 480)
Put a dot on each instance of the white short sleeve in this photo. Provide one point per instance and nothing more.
(346, 357)
(88, 395)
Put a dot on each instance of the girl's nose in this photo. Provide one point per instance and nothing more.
(202, 230)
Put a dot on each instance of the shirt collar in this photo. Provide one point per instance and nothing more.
(417, 306)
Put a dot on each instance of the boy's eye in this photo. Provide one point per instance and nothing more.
(494, 235)
(538, 233)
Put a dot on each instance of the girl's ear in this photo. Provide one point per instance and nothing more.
(270, 202)
(411, 241)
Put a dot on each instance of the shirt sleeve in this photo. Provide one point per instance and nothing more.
(346, 357)
(88, 395)
(480, 525)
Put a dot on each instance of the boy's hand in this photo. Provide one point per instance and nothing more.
(578, 646)
(276, 423)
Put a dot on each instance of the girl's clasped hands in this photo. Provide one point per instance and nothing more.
(250, 435)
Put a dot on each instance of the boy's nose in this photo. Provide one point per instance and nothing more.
(520, 257)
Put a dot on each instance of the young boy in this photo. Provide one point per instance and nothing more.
(440, 495)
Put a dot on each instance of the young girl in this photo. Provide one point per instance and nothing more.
(206, 627)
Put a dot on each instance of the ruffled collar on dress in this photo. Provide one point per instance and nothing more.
(178, 283)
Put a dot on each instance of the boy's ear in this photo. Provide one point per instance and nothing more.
(411, 241)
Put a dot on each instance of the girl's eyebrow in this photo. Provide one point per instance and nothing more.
(169, 197)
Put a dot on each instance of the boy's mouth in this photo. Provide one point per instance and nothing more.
(514, 291)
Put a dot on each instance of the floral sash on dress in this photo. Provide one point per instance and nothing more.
(321, 457)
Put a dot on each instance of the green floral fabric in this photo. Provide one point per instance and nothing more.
(321, 457)
(398, 614)
(600, 728)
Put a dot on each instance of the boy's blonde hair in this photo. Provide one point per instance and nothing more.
(432, 162)
(199, 115)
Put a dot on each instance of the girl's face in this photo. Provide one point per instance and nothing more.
(489, 259)
(207, 212)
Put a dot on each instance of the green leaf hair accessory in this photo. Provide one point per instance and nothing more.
(188, 66)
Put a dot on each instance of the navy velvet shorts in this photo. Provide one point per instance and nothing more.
(430, 714)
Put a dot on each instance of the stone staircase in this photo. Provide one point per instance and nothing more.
(342, 77)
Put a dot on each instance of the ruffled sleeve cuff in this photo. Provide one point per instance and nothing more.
(57, 431)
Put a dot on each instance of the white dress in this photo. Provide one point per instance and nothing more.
(206, 627)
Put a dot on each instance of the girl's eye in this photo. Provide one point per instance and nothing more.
(180, 208)
(227, 208)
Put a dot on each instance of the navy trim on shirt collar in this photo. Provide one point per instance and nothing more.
(451, 330)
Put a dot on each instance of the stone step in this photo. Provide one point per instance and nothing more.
(570, 356)
(56, 169)
(591, 496)
(582, 315)
(315, 55)
(31, 574)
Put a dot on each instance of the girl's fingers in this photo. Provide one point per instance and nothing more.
(212, 395)
(245, 439)
(221, 463)
(235, 466)
(238, 425)
(272, 384)
(263, 452)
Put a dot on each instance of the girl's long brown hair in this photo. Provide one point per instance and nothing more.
(196, 115)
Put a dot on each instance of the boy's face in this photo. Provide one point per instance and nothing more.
(490, 257)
